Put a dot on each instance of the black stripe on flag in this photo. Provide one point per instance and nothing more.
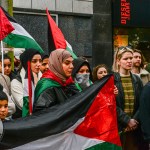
(51, 45)
(51, 121)
(8, 16)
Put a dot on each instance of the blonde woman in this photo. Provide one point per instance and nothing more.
(129, 87)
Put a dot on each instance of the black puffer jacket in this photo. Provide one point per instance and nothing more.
(54, 95)
(123, 118)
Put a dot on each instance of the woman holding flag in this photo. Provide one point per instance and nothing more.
(56, 84)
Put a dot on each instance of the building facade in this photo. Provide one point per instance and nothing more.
(74, 18)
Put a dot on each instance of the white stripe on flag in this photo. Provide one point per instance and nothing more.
(20, 30)
(66, 140)
(25, 91)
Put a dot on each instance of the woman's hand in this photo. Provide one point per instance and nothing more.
(115, 90)
(132, 125)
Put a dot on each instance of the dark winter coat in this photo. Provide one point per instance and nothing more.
(145, 111)
(123, 118)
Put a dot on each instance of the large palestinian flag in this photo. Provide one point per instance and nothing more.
(56, 38)
(19, 38)
(87, 121)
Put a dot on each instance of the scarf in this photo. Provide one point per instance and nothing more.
(57, 57)
(49, 74)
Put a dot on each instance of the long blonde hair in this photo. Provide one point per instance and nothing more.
(118, 55)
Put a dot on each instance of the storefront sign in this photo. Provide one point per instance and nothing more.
(131, 13)
(125, 11)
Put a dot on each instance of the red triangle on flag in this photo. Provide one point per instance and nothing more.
(58, 37)
(5, 25)
(100, 121)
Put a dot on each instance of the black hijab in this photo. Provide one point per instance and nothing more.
(26, 56)
(78, 63)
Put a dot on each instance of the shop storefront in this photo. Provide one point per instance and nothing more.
(131, 24)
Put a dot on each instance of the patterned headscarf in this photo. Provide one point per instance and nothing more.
(56, 58)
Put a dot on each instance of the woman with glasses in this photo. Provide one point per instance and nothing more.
(129, 87)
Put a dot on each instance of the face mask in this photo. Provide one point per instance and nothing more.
(83, 80)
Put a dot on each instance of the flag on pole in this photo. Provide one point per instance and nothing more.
(87, 121)
(56, 38)
(5, 25)
(5, 29)
(19, 37)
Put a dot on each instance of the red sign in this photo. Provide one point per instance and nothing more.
(125, 11)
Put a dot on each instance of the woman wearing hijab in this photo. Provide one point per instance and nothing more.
(81, 73)
(30, 61)
(56, 84)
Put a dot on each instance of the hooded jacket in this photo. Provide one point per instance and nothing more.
(78, 63)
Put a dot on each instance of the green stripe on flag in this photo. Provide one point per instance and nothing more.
(25, 109)
(72, 53)
(20, 41)
(105, 146)
(44, 84)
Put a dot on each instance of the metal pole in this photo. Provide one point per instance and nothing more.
(2, 50)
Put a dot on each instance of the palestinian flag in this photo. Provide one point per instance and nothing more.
(19, 38)
(5, 25)
(87, 121)
(56, 38)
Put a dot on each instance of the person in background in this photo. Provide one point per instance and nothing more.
(56, 84)
(7, 67)
(82, 73)
(3, 105)
(11, 105)
(144, 112)
(18, 87)
(5, 82)
(44, 66)
(129, 90)
(99, 72)
(5, 85)
(17, 53)
(138, 66)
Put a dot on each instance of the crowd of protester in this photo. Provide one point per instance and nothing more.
(56, 77)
